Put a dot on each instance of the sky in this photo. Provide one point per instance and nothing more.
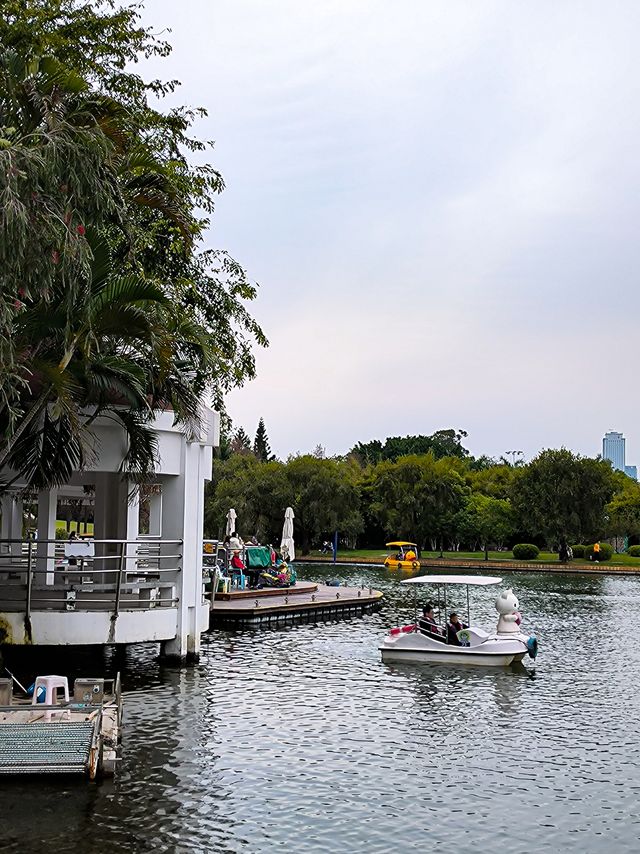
(439, 202)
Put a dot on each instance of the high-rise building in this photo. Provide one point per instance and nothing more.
(613, 449)
(631, 471)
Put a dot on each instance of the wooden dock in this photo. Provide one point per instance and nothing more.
(305, 602)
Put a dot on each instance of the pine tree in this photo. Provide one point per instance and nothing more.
(241, 443)
(261, 443)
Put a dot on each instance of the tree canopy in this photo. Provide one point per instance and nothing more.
(442, 443)
(88, 159)
(557, 497)
(562, 496)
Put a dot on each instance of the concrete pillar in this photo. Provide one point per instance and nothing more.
(112, 518)
(132, 523)
(45, 552)
(183, 518)
(155, 514)
(12, 513)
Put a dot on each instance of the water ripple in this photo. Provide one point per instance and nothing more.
(301, 740)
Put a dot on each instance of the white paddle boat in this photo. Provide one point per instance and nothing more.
(426, 641)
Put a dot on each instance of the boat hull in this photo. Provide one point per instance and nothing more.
(402, 564)
(484, 651)
(449, 657)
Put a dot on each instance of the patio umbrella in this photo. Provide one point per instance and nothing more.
(231, 522)
(287, 544)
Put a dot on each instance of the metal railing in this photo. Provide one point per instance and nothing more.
(112, 575)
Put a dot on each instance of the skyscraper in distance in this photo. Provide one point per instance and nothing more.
(613, 449)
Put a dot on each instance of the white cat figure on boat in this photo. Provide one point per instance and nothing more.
(425, 641)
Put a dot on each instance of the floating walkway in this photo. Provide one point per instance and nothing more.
(63, 738)
(306, 602)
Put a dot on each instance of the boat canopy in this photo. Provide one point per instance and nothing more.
(480, 580)
(401, 543)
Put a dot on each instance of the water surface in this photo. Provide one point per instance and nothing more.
(300, 739)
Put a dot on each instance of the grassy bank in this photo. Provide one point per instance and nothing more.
(378, 556)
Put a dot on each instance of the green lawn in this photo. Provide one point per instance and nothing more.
(543, 557)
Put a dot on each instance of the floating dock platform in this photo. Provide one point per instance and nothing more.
(64, 738)
(306, 602)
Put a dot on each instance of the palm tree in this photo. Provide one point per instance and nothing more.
(115, 351)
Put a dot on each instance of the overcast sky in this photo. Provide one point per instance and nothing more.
(440, 203)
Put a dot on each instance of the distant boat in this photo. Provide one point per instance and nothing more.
(406, 556)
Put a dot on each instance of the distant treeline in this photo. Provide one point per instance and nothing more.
(426, 489)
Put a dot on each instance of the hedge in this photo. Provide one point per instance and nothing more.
(633, 551)
(606, 552)
(525, 551)
(578, 550)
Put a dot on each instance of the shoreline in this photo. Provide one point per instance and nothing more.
(512, 566)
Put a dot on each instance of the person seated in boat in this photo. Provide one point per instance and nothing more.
(454, 626)
(428, 623)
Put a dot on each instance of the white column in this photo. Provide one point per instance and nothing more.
(12, 512)
(47, 507)
(132, 526)
(183, 518)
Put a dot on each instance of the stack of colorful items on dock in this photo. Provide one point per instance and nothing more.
(278, 576)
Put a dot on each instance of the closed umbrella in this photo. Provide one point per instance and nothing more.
(287, 546)
(231, 522)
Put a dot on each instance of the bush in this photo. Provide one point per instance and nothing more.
(525, 551)
(578, 550)
(606, 552)
(633, 551)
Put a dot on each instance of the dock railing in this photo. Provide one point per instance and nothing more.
(102, 575)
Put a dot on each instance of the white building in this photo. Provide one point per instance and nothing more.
(126, 585)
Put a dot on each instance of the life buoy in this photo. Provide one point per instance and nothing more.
(532, 646)
(403, 630)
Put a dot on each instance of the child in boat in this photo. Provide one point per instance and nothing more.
(453, 627)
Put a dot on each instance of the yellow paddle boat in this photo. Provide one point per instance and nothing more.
(406, 556)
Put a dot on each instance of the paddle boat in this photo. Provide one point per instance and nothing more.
(427, 641)
(406, 556)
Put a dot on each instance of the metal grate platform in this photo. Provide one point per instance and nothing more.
(51, 747)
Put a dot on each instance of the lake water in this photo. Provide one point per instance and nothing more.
(301, 740)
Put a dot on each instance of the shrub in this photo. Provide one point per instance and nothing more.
(606, 552)
(525, 551)
(578, 550)
(61, 532)
(634, 551)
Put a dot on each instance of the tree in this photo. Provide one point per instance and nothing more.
(81, 150)
(623, 511)
(324, 497)
(416, 497)
(109, 348)
(491, 520)
(562, 496)
(495, 480)
(442, 443)
(241, 443)
(261, 443)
